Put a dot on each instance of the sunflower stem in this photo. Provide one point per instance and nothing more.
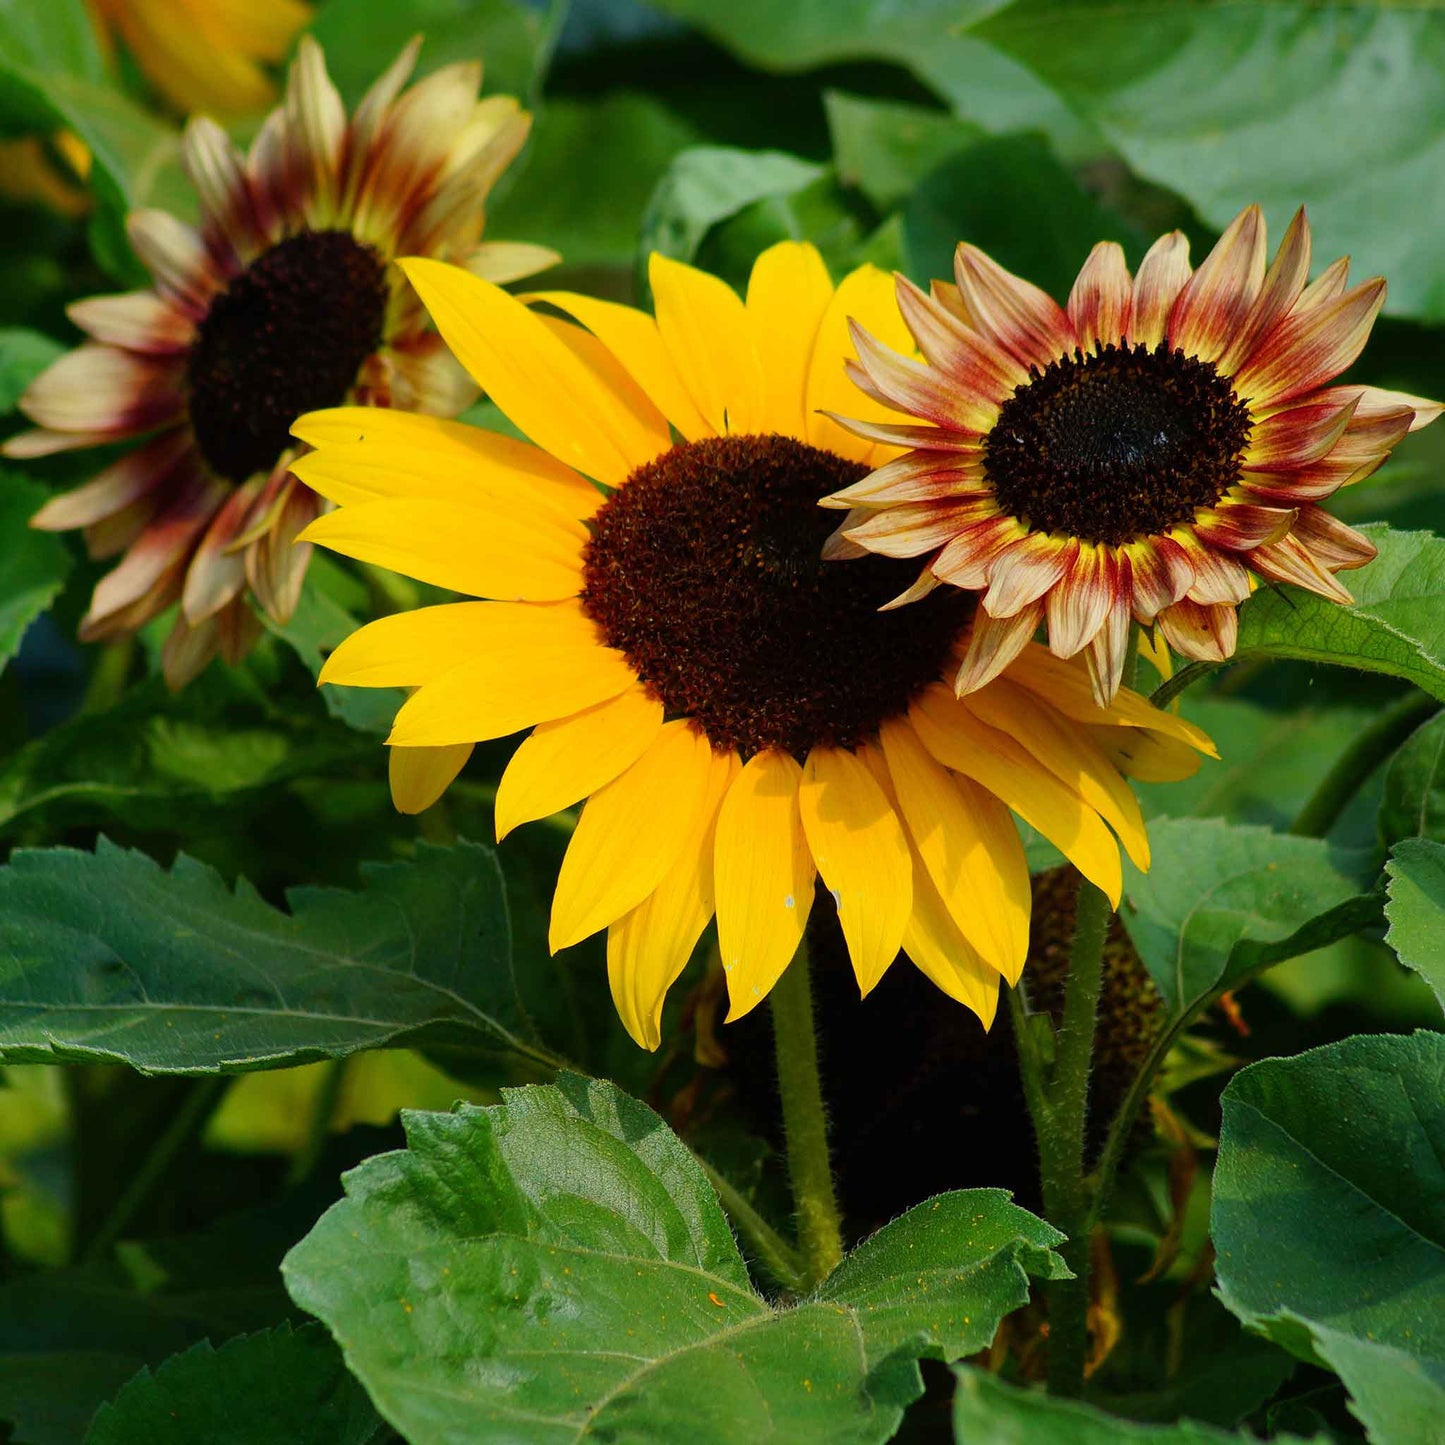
(1171, 687)
(1365, 753)
(1058, 1100)
(805, 1122)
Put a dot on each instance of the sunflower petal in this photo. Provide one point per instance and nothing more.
(789, 293)
(1162, 274)
(1101, 303)
(763, 876)
(1023, 319)
(631, 833)
(562, 762)
(419, 776)
(648, 947)
(1218, 297)
(862, 854)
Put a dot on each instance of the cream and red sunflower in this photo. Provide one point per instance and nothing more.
(281, 300)
(1139, 454)
(739, 714)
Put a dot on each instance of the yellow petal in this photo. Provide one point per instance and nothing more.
(1068, 753)
(962, 834)
(1149, 757)
(860, 849)
(517, 553)
(705, 330)
(508, 689)
(936, 946)
(962, 742)
(369, 453)
(630, 835)
(763, 876)
(538, 382)
(412, 648)
(419, 776)
(1066, 687)
(788, 294)
(565, 761)
(648, 947)
(866, 296)
(633, 338)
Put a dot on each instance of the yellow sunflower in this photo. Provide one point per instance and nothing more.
(739, 714)
(282, 300)
(205, 55)
(1137, 454)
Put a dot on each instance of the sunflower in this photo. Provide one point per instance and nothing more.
(1140, 454)
(282, 301)
(739, 714)
(205, 54)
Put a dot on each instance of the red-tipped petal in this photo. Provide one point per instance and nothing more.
(1024, 320)
(136, 320)
(917, 527)
(1283, 285)
(123, 482)
(1078, 605)
(1023, 572)
(1101, 303)
(968, 560)
(1162, 276)
(1205, 634)
(971, 361)
(913, 477)
(907, 385)
(1217, 298)
(1298, 436)
(1237, 526)
(1288, 560)
(1336, 546)
(1161, 573)
(993, 643)
(1108, 651)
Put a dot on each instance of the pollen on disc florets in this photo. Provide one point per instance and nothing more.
(1117, 443)
(705, 570)
(287, 336)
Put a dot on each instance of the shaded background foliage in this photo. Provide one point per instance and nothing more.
(205, 888)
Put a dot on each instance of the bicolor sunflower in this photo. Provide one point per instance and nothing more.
(1138, 455)
(283, 300)
(739, 715)
(205, 55)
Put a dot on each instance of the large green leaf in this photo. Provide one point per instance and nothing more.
(24, 354)
(885, 147)
(107, 956)
(1416, 909)
(513, 40)
(1342, 106)
(1396, 624)
(981, 82)
(1011, 196)
(707, 184)
(51, 77)
(1221, 900)
(33, 565)
(558, 1268)
(282, 1384)
(1414, 801)
(988, 1412)
(1329, 1218)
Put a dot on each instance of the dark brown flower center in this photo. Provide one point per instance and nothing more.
(285, 337)
(1117, 443)
(705, 570)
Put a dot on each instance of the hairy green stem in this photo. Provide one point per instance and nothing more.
(773, 1252)
(805, 1122)
(1365, 753)
(1169, 689)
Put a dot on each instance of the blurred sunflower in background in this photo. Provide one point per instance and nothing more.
(204, 55)
(282, 300)
(739, 713)
(1136, 455)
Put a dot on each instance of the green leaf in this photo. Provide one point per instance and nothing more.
(281, 1384)
(558, 1268)
(1396, 624)
(1011, 196)
(1221, 900)
(513, 41)
(886, 147)
(988, 1412)
(33, 565)
(1414, 801)
(1228, 104)
(982, 83)
(1416, 909)
(52, 77)
(936, 1281)
(24, 354)
(1329, 1218)
(587, 176)
(106, 956)
(707, 184)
